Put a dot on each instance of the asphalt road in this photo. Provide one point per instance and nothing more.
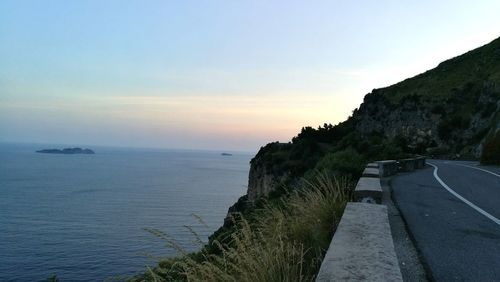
(456, 229)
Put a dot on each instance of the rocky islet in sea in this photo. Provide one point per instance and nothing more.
(67, 151)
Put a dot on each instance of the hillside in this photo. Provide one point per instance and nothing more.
(449, 111)
(451, 107)
(439, 84)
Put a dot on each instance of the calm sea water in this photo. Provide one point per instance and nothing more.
(82, 217)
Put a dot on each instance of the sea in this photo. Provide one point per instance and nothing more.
(86, 217)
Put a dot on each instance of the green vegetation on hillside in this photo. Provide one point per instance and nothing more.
(339, 149)
(461, 72)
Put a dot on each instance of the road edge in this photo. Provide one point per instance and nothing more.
(411, 262)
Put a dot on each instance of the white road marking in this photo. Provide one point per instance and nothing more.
(485, 170)
(481, 211)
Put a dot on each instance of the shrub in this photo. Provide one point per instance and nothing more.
(491, 150)
(390, 152)
(347, 162)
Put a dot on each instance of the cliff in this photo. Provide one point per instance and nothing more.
(266, 173)
(455, 127)
(450, 111)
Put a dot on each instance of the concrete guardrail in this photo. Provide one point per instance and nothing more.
(406, 165)
(362, 248)
(371, 172)
(388, 167)
(368, 190)
(420, 162)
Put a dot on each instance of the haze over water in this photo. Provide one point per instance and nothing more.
(82, 217)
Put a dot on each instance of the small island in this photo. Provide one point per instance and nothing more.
(226, 154)
(67, 151)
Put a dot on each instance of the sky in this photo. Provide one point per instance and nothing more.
(218, 75)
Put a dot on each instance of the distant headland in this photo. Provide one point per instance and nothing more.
(67, 151)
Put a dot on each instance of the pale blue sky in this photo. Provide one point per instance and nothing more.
(213, 74)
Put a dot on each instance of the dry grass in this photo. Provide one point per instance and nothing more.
(285, 242)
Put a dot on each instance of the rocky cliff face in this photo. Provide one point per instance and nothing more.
(260, 182)
(425, 124)
(264, 174)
